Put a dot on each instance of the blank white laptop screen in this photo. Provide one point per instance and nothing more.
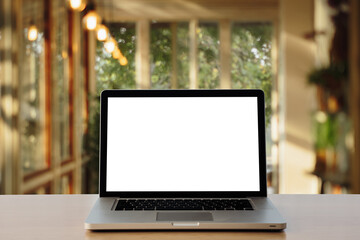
(182, 144)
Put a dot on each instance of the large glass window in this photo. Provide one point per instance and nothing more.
(60, 77)
(208, 55)
(44, 189)
(109, 73)
(182, 55)
(251, 63)
(66, 183)
(169, 55)
(251, 67)
(32, 89)
(161, 53)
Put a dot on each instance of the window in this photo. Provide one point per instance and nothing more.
(172, 61)
(109, 73)
(32, 91)
(47, 99)
(60, 83)
(66, 186)
(251, 65)
(51, 80)
(160, 55)
(208, 45)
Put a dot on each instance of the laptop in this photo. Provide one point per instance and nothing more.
(183, 159)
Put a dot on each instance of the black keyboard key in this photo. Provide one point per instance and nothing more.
(149, 208)
(169, 208)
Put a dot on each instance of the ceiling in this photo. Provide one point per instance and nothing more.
(130, 10)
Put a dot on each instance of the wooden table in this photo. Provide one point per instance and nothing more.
(62, 217)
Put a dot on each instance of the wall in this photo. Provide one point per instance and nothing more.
(297, 58)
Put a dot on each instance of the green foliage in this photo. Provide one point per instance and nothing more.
(330, 77)
(160, 59)
(209, 55)
(183, 55)
(251, 60)
(110, 74)
(91, 145)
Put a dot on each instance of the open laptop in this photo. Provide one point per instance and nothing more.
(183, 159)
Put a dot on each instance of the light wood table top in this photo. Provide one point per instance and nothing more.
(63, 216)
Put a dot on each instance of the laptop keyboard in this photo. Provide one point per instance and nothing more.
(183, 204)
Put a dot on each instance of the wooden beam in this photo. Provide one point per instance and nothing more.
(48, 86)
(225, 54)
(76, 97)
(175, 10)
(193, 55)
(275, 108)
(355, 92)
(91, 62)
(143, 54)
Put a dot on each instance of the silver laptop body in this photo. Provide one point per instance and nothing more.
(179, 146)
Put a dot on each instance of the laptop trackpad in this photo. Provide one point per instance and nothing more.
(184, 216)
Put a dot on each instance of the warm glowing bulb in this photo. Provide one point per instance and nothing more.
(110, 45)
(123, 61)
(75, 4)
(32, 33)
(102, 33)
(116, 53)
(92, 20)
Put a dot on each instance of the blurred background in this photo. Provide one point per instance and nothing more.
(57, 56)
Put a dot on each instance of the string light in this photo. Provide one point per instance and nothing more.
(116, 53)
(32, 33)
(102, 33)
(123, 61)
(92, 20)
(110, 45)
(77, 5)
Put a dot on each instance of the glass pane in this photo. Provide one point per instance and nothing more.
(66, 184)
(183, 55)
(61, 118)
(160, 55)
(90, 178)
(32, 89)
(2, 19)
(252, 68)
(209, 58)
(110, 74)
(251, 59)
(45, 189)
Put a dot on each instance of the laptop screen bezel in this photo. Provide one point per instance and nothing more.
(259, 94)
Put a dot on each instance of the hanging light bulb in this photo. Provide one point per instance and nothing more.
(92, 20)
(102, 33)
(32, 33)
(110, 45)
(123, 61)
(77, 5)
(117, 53)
